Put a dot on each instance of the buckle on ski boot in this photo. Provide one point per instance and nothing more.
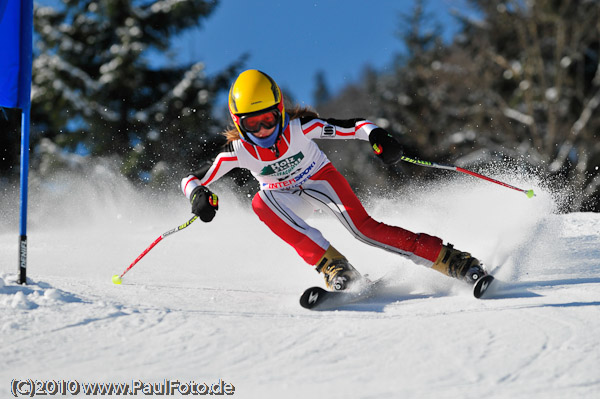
(338, 273)
(458, 264)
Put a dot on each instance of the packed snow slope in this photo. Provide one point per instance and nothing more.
(219, 301)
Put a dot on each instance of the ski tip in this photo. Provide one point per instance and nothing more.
(312, 297)
(482, 285)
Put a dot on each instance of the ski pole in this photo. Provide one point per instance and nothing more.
(529, 193)
(117, 279)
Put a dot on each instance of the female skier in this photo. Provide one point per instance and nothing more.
(296, 178)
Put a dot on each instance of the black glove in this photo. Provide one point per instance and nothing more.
(205, 203)
(385, 146)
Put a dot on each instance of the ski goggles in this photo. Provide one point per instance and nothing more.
(267, 119)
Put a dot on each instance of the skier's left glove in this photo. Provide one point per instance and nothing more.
(385, 146)
(205, 203)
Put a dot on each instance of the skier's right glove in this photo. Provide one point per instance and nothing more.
(205, 203)
(385, 146)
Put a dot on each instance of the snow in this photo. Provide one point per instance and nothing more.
(219, 301)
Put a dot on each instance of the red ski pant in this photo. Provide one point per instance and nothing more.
(284, 211)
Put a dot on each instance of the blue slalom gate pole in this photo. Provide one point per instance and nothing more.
(24, 102)
(24, 183)
(16, 30)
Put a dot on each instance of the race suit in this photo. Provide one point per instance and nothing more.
(296, 178)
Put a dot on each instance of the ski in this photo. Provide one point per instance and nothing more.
(482, 285)
(317, 298)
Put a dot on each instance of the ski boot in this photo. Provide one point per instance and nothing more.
(339, 274)
(460, 265)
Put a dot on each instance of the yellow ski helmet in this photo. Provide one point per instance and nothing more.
(255, 93)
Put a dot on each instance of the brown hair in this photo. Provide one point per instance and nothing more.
(295, 112)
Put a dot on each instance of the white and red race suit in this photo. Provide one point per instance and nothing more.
(296, 178)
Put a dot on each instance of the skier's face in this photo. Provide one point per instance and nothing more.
(262, 133)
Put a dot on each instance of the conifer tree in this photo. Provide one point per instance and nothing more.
(96, 88)
(520, 81)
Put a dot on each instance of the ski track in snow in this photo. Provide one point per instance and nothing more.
(220, 300)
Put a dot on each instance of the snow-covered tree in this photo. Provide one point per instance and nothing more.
(521, 80)
(96, 89)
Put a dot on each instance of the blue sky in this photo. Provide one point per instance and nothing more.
(293, 39)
